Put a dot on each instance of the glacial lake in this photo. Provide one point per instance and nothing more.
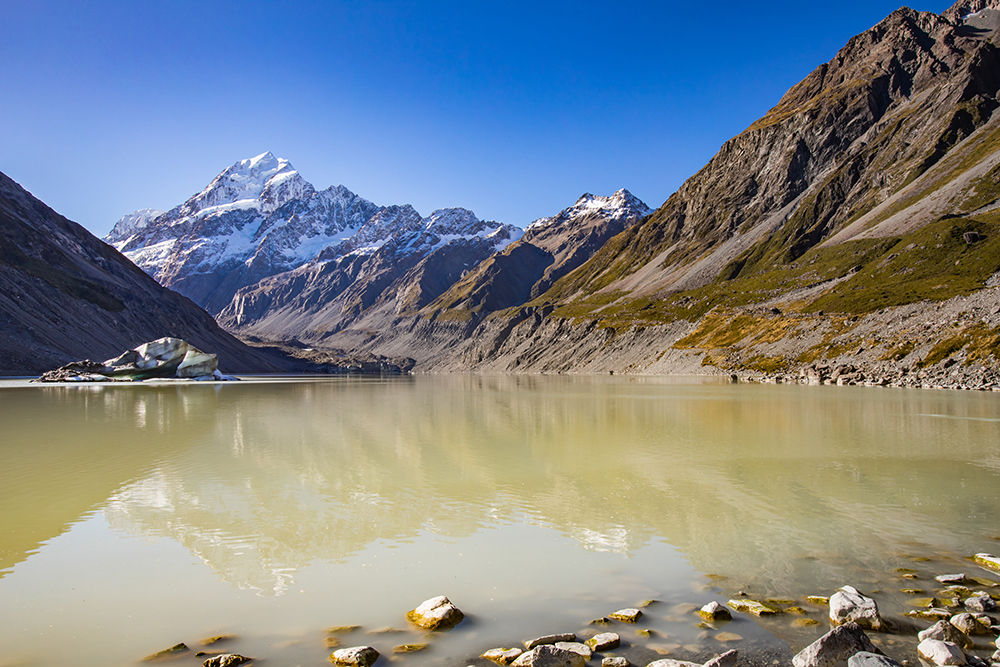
(137, 517)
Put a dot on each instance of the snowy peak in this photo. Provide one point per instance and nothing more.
(452, 221)
(131, 223)
(262, 182)
(621, 205)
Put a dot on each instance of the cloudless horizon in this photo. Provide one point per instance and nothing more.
(512, 110)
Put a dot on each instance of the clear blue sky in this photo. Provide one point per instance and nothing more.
(510, 109)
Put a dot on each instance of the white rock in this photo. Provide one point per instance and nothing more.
(547, 655)
(604, 641)
(362, 656)
(615, 662)
(436, 613)
(670, 662)
(938, 652)
(988, 560)
(835, 647)
(502, 656)
(576, 647)
(848, 604)
(629, 615)
(951, 578)
(866, 659)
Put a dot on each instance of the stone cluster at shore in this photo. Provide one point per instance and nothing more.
(947, 376)
(960, 617)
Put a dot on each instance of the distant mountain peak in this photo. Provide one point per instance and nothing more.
(620, 205)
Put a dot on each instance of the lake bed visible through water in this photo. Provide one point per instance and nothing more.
(139, 516)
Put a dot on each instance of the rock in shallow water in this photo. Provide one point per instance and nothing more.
(502, 656)
(549, 639)
(752, 607)
(849, 605)
(615, 662)
(714, 611)
(547, 655)
(436, 614)
(727, 659)
(629, 615)
(938, 652)
(835, 647)
(227, 660)
(576, 647)
(167, 653)
(604, 641)
(361, 656)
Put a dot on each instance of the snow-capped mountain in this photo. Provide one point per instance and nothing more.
(259, 218)
(622, 206)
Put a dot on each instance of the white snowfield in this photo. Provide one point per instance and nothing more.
(622, 205)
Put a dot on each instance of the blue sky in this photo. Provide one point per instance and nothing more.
(510, 109)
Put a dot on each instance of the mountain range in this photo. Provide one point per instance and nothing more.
(855, 225)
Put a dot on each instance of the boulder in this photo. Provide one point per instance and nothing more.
(604, 641)
(362, 656)
(549, 639)
(848, 605)
(226, 660)
(630, 615)
(547, 655)
(866, 659)
(714, 611)
(835, 647)
(951, 578)
(752, 607)
(576, 647)
(938, 652)
(436, 613)
(946, 632)
(727, 659)
(615, 662)
(980, 601)
(968, 624)
(502, 656)
(670, 662)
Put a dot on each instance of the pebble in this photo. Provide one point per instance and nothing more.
(362, 656)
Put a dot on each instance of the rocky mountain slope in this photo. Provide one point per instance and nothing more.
(856, 224)
(260, 218)
(65, 295)
(374, 293)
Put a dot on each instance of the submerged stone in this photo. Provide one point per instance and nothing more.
(409, 648)
(227, 660)
(167, 653)
(752, 607)
(615, 662)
